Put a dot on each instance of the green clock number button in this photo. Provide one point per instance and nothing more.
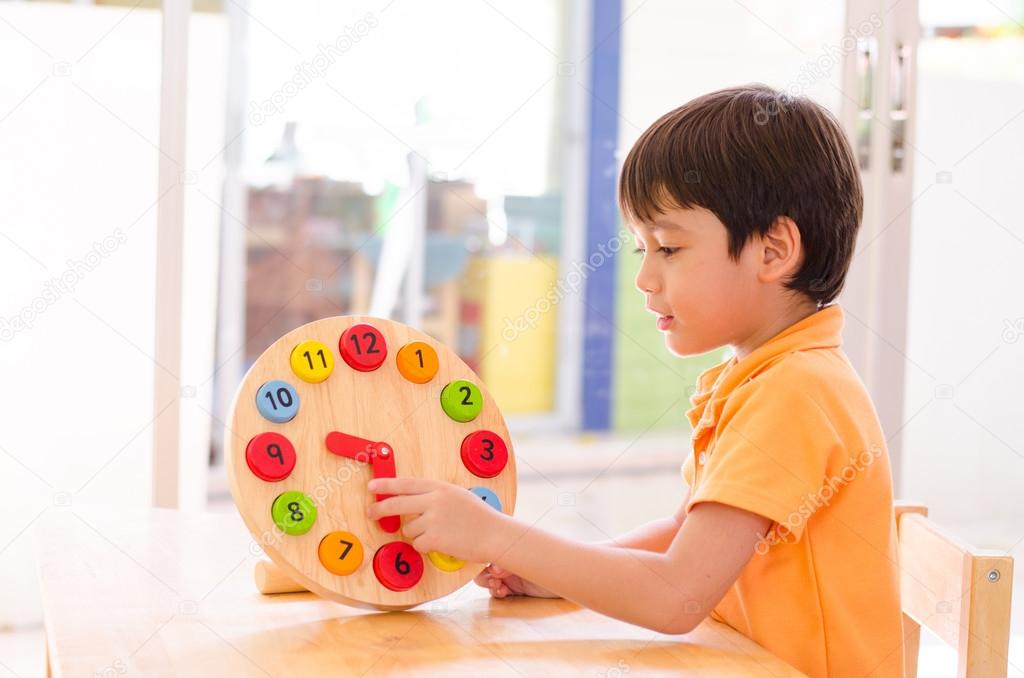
(293, 513)
(462, 400)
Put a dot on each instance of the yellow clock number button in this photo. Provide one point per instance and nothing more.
(445, 562)
(341, 552)
(417, 362)
(312, 361)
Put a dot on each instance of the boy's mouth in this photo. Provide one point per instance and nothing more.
(664, 321)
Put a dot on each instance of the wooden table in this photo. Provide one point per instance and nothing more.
(158, 592)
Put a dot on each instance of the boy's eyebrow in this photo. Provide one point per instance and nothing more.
(666, 225)
(656, 225)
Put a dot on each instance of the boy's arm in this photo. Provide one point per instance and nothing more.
(669, 592)
(656, 535)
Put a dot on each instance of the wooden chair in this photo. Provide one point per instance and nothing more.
(959, 593)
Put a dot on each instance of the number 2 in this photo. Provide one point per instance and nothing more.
(372, 348)
(468, 392)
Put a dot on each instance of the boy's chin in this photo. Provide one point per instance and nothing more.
(685, 347)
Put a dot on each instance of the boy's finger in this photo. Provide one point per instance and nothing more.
(413, 528)
(401, 485)
(395, 506)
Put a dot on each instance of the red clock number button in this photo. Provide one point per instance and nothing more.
(398, 565)
(484, 453)
(363, 347)
(270, 456)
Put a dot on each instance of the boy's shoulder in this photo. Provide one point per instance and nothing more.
(818, 371)
(818, 383)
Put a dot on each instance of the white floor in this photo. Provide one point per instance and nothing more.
(589, 489)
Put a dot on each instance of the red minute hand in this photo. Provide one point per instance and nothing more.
(384, 467)
(380, 456)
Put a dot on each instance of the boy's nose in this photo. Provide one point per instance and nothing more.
(645, 282)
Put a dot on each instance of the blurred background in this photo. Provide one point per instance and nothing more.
(176, 195)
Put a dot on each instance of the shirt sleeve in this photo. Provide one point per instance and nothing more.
(770, 454)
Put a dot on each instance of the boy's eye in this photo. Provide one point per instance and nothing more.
(667, 251)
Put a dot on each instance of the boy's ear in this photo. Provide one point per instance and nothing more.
(782, 250)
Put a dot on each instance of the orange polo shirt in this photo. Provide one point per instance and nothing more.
(789, 433)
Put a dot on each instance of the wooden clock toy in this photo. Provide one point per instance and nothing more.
(335, 403)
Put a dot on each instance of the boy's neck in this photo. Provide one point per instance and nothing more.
(776, 320)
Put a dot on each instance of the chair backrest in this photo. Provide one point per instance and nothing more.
(961, 594)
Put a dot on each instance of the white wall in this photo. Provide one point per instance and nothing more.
(964, 449)
(673, 51)
(78, 123)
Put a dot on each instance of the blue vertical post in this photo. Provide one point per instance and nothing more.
(602, 212)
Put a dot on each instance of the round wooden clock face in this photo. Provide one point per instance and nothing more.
(335, 403)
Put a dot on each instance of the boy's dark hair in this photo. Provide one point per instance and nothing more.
(751, 154)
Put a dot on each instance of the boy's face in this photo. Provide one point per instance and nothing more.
(703, 298)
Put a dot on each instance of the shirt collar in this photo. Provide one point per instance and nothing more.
(821, 329)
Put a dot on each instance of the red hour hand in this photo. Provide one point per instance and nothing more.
(381, 458)
(344, 445)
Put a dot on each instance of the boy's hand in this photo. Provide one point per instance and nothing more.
(439, 516)
(503, 583)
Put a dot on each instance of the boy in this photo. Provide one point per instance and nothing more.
(746, 224)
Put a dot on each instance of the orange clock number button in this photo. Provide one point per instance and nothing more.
(398, 565)
(417, 362)
(363, 347)
(270, 456)
(341, 552)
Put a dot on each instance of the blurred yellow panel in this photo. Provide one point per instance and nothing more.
(519, 305)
